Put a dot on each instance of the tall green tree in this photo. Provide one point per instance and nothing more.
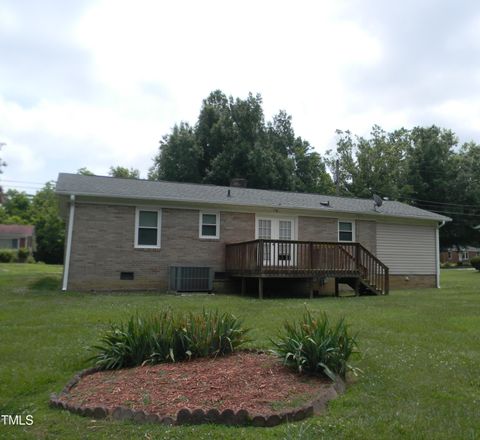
(42, 211)
(49, 226)
(246, 148)
(310, 170)
(422, 166)
(16, 208)
(214, 130)
(371, 165)
(431, 174)
(84, 171)
(231, 139)
(179, 157)
(124, 173)
(430, 170)
(462, 203)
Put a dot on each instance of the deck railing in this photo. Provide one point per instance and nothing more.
(305, 258)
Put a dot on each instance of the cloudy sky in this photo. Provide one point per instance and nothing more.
(97, 82)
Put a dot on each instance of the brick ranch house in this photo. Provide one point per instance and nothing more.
(458, 254)
(127, 234)
(17, 236)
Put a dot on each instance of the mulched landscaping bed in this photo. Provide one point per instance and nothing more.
(244, 381)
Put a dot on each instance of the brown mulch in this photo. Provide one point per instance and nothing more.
(258, 383)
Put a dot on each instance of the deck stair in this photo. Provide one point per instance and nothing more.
(348, 263)
(359, 286)
(372, 278)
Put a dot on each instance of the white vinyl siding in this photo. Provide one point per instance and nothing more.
(407, 249)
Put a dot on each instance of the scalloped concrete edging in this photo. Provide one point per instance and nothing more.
(197, 416)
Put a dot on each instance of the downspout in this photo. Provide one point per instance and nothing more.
(68, 251)
(437, 245)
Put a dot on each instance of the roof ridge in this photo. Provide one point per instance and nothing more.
(143, 189)
(228, 187)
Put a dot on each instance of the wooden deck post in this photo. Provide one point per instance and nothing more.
(311, 255)
(336, 286)
(357, 257)
(357, 286)
(244, 287)
(311, 288)
(260, 288)
(387, 282)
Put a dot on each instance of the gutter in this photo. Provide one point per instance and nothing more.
(437, 253)
(68, 251)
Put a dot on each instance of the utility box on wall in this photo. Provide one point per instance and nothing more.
(191, 279)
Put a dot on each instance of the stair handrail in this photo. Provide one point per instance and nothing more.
(364, 272)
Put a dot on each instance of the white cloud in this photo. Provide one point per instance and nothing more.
(294, 54)
(9, 21)
(22, 157)
(99, 84)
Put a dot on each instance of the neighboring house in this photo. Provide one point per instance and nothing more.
(459, 254)
(136, 234)
(17, 236)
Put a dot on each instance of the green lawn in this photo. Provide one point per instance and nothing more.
(420, 358)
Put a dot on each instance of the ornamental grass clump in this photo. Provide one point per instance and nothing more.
(168, 337)
(314, 345)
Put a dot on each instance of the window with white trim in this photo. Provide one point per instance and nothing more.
(345, 231)
(209, 225)
(265, 229)
(147, 228)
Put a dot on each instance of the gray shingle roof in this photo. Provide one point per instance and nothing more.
(99, 186)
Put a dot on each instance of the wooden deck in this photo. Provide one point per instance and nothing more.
(349, 263)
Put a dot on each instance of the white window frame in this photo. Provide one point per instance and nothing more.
(352, 222)
(217, 225)
(276, 224)
(159, 227)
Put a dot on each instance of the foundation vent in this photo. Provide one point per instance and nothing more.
(126, 275)
(191, 279)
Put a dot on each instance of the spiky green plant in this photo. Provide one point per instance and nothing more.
(129, 344)
(210, 333)
(314, 345)
(166, 337)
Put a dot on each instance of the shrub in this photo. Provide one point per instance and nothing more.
(166, 337)
(22, 255)
(475, 262)
(7, 255)
(313, 345)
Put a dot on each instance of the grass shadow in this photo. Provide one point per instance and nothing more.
(46, 283)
